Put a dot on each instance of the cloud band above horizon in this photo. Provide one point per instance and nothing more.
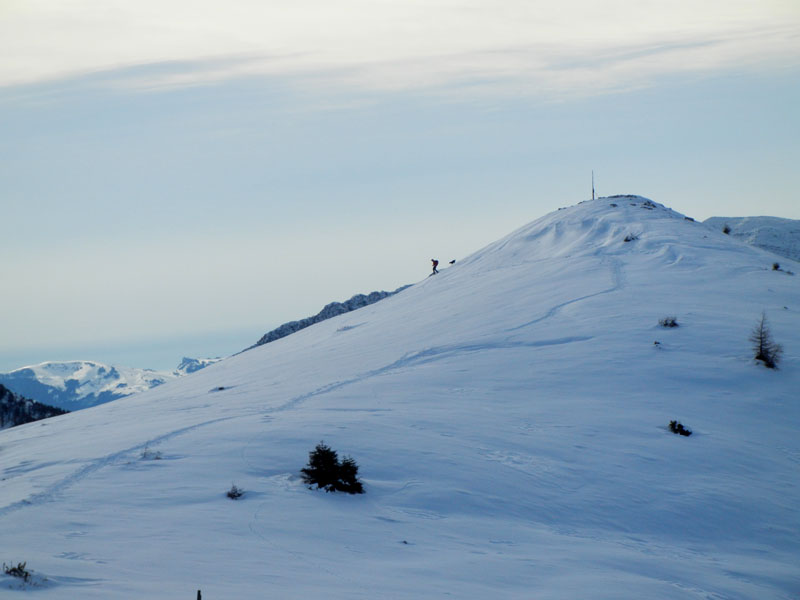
(576, 46)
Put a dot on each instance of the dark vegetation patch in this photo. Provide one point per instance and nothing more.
(668, 322)
(19, 570)
(235, 492)
(679, 429)
(326, 471)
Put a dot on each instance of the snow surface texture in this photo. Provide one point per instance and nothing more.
(74, 385)
(781, 236)
(334, 309)
(510, 421)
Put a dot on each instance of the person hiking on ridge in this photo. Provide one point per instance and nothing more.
(435, 264)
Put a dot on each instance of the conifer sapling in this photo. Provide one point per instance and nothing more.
(765, 348)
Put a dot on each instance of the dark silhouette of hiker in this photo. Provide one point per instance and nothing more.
(435, 264)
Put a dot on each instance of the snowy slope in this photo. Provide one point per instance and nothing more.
(73, 385)
(509, 418)
(774, 234)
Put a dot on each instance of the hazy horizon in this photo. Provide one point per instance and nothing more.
(159, 354)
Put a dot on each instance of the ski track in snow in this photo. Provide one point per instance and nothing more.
(617, 283)
(433, 354)
(441, 352)
(95, 465)
(416, 358)
(425, 356)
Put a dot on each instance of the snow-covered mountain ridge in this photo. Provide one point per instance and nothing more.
(509, 418)
(74, 385)
(333, 309)
(774, 234)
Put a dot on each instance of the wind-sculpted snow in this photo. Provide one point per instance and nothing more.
(509, 418)
(773, 234)
(330, 310)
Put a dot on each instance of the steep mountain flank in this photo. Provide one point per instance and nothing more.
(16, 410)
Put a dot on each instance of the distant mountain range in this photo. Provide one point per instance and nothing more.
(16, 410)
(80, 384)
(774, 234)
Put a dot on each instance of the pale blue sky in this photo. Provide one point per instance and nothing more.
(180, 182)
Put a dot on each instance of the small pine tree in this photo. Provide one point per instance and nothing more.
(325, 471)
(678, 428)
(235, 492)
(668, 322)
(765, 348)
(323, 466)
(348, 477)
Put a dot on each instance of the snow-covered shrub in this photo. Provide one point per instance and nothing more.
(235, 492)
(764, 347)
(668, 322)
(678, 428)
(148, 454)
(17, 571)
(325, 471)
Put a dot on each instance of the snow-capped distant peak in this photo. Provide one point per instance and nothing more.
(190, 365)
(77, 384)
(88, 374)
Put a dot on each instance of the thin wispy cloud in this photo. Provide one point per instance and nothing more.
(574, 46)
